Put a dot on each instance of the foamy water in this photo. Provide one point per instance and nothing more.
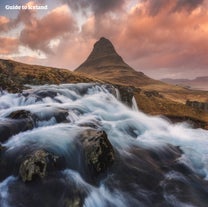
(126, 128)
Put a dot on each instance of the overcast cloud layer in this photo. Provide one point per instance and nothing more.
(163, 38)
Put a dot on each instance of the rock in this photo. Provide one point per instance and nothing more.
(199, 105)
(20, 114)
(18, 121)
(75, 202)
(195, 123)
(153, 93)
(46, 93)
(60, 115)
(98, 151)
(2, 148)
(126, 94)
(9, 128)
(37, 165)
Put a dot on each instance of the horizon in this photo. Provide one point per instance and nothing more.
(171, 35)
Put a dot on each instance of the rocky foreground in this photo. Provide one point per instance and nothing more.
(78, 145)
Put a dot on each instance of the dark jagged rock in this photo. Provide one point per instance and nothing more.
(9, 128)
(20, 114)
(18, 121)
(126, 94)
(98, 151)
(199, 105)
(46, 93)
(37, 165)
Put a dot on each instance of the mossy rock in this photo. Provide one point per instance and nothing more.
(99, 153)
(37, 165)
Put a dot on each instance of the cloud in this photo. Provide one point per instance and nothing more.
(8, 45)
(154, 7)
(38, 33)
(98, 7)
(168, 40)
(24, 16)
(4, 23)
(188, 5)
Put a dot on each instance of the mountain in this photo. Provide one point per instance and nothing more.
(200, 83)
(105, 63)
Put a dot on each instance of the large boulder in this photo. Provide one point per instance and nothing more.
(17, 121)
(98, 151)
(20, 114)
(37, 165)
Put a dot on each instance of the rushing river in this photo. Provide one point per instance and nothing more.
(157, 164)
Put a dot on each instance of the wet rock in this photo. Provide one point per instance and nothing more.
(99, 153)
(126, 94)
(2, 148)
(20, 114)
(17, 121)
(47, 113)
(111, 89)
(60, 115)
(195, 123)
(37, 165)
(9, 128)
(46, 93)
(75, 202)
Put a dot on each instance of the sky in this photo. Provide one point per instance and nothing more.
(162, 38)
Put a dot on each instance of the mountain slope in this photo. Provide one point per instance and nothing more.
(105, 63)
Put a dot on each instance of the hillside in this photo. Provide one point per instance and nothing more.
(13, 75)
(200, 83)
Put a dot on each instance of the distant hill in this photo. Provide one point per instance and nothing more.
(200, 83)
(106, 64)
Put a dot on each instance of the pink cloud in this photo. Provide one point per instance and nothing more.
(39, 32)
(8, 45)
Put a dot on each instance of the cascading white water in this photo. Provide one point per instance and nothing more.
(134, 104)
(90, 103)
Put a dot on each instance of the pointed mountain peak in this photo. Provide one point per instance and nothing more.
(102, 48)
(106, 64)
(102, 56)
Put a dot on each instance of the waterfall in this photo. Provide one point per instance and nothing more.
(118, 95)
(134, 104)
(156, 163)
